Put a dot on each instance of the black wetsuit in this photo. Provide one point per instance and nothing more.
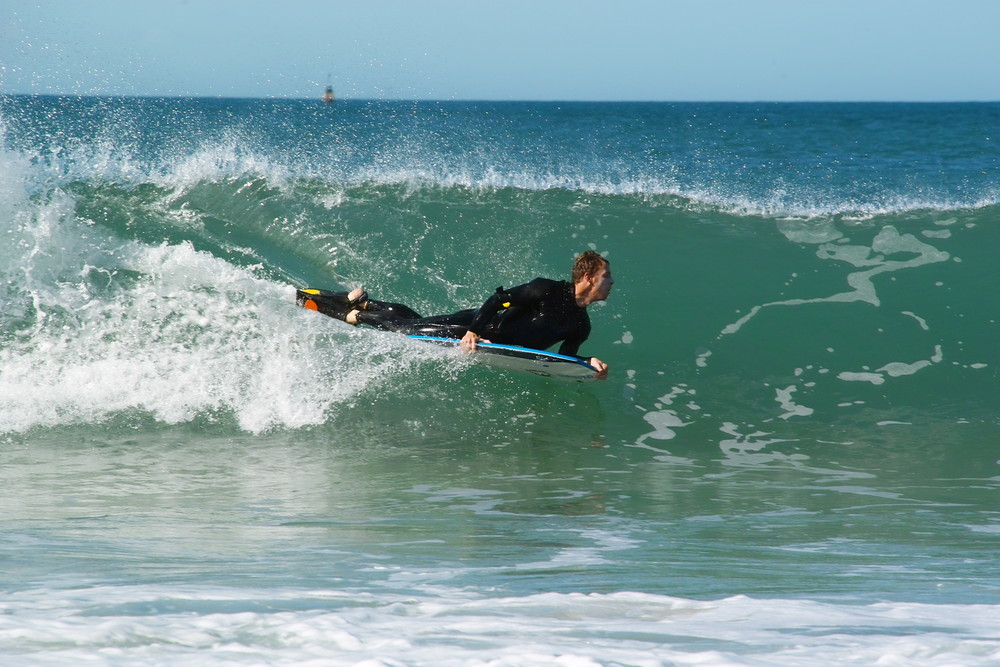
(538, 315)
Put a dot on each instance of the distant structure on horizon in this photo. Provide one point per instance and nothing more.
(328, 95)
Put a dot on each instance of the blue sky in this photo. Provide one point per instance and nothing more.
(708, 50)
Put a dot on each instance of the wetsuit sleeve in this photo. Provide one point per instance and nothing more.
(486, 313)
(522, 294)
(571, 346)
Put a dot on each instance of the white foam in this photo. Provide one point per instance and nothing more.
(191, 336)
(749, 449)
(851, 376)
(893, 369)
(664, 423)
(792, 409)
(209, 626)
(229, 158)
(886, 243)
(921, 321)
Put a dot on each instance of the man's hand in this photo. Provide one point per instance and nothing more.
(602, 368)
(470, 340)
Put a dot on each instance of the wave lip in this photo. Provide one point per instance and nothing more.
(756, 160)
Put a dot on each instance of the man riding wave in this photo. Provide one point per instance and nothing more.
(537, 314)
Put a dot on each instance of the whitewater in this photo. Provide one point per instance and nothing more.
(794, 460)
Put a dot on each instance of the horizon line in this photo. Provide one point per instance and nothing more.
(319, 100)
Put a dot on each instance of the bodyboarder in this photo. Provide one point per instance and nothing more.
(537, 314)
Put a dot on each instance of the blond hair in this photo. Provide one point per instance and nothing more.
(588, 263)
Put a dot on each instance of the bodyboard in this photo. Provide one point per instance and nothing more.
(523, 359)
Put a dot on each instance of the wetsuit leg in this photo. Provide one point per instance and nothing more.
(447, 326)
(387, 316)
(334, 304)
(337, 305)
(389, 311)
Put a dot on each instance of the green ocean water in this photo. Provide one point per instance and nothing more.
(794, 460)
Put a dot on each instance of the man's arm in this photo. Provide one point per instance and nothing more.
(499, 300)
(571, 348)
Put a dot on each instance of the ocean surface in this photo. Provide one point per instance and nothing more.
(795, 460)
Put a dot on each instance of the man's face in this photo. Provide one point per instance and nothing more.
(602, 282)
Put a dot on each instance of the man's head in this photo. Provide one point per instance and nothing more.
(588, 263)
(592, 277)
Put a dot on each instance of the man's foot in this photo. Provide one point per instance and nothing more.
(358, 299)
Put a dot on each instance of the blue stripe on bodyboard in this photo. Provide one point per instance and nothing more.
(549, 364)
